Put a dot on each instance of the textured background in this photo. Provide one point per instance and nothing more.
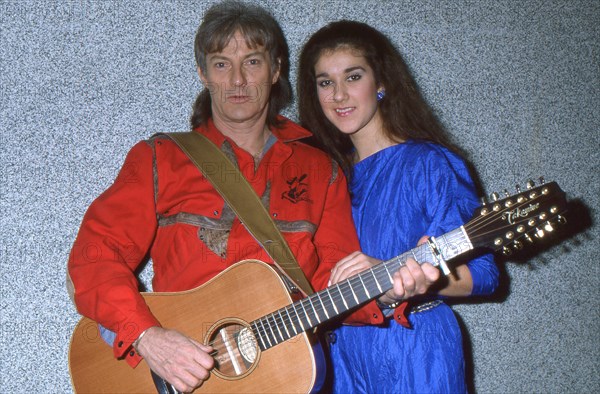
(516, 83)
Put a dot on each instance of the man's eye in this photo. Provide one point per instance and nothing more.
(220, 65)
(253, 62)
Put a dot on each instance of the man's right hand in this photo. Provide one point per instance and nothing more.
(180, 360)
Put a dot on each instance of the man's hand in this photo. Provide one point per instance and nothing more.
(180, 360)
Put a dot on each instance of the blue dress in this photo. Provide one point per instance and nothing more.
(400, 194)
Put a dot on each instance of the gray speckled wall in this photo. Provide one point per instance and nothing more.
(517, 84)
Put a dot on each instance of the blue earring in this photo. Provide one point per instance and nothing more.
(380, 94)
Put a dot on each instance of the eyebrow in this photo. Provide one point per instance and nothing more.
(218, 56)
(348, 70)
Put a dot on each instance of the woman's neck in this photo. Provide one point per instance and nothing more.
(368, 144)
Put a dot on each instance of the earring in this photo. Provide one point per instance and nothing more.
(380, 94)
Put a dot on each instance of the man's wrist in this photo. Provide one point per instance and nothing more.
(136, 343)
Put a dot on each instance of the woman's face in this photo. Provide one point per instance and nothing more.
(347, 91)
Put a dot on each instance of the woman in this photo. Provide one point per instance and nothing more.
(357, 96)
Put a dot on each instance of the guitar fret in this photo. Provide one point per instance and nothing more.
(332, 302)
(342, 295)
(298, 316)
(376, 281)
(287, 311)
(270, 326)
(414, 255)
(314, 309)
(278, 328)
(364, 286)
(265, 332)
(388, 274)
(306, 314)
(284, 325)
(256, 332)
(352, 290)
(322, 304)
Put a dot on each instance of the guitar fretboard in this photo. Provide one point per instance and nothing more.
(326, 304)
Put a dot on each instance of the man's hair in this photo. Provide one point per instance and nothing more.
(260, 29)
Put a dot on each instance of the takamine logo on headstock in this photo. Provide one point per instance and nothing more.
(506, 222)
(512, 216)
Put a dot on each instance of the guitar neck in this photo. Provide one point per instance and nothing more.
(335, 300)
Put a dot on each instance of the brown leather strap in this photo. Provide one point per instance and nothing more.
(244, 201)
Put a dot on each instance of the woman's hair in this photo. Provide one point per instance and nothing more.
(404, 112)
(259, 28)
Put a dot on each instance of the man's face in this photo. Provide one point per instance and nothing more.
(239, 80)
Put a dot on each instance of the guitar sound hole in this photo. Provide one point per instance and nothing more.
(235, 349)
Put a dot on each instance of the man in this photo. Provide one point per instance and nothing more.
(161, 205)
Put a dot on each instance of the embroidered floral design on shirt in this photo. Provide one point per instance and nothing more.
(297, 191)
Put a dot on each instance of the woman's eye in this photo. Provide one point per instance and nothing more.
(354, 77)
(324, 83)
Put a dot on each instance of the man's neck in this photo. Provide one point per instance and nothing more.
(250, 135)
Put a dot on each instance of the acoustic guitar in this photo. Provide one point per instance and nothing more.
(261, 336)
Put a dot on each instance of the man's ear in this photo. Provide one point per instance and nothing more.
(201, 75)
(276, 72)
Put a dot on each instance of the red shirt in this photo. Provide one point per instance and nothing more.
(161, 203)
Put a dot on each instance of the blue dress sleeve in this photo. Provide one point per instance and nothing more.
(451, 201)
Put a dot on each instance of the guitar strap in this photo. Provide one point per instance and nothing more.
(242, 198)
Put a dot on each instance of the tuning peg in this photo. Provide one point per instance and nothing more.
(539, 233)
(518, 189)
(506, 251)
(530, 184)
(561, 219)
(518, 245)
(541, 180)
(506, 193)
(495, 196)
(483, 201)
(528, 238)
(548, 227)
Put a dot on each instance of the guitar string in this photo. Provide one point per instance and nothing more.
(477, 223)
(367, 281)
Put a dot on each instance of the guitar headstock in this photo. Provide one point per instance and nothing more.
(511, 222)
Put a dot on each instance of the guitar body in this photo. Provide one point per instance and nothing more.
(237, 296)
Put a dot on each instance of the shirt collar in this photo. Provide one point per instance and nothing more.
(287, 132)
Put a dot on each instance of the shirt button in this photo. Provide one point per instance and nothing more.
(216, 213)
(120, 344)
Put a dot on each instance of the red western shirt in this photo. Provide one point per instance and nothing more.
(161, 203)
